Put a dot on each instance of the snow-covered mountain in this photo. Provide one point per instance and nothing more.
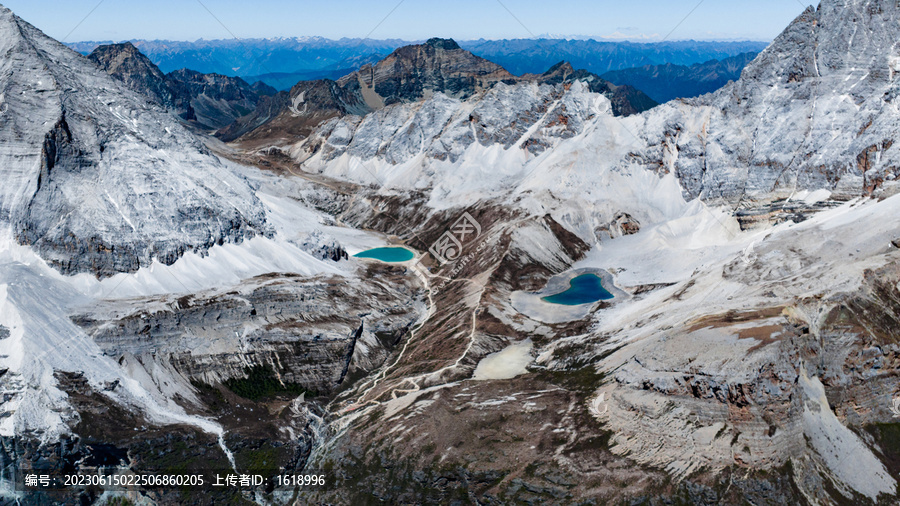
(96, 178)
(814, 110)
(811, 112)
(112, 211)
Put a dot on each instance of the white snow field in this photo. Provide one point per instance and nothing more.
(506, 363)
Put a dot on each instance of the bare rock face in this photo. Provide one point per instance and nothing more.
(295, 113)
(626, 100)
(413, 72)
(214, 101)
(97, 178)
(209, 101)
(311, 332)
(127, 64)
(622, 224)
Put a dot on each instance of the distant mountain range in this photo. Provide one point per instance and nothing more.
(669, 81)
(285, 80)
(408, 74)
(260, 113)
(254, 57)
(521, 56)
(316, 57)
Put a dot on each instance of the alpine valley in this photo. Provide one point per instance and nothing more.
(179, 290)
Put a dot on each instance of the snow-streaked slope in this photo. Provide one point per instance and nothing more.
(98, 183)
(828, 253)
(107, 196)
(843, 450)
(37, 301)
(662, 351)
(42, 341)
(416, 145)
(816, 109)
(98, 179)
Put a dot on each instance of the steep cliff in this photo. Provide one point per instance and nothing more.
(208, 101)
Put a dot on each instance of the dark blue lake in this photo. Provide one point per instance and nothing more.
(583, 289)
(388, 254)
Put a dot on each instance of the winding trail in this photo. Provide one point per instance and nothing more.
(424, 278)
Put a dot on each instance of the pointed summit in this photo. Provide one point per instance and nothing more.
(626, 100)
(420, 70)
(127, 64)
(562, 67)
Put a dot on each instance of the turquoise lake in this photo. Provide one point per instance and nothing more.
(389, 254)
(583, 289)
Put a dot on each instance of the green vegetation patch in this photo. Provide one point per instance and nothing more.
(889, 437)
(265, 460)
(262, 383)
(118, 501)
(584, 380)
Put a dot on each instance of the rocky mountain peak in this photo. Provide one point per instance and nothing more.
(119, 54)
(562, 67)
(626, 100)
(439, 43)
(420, 70)
(8, 20)
(837, 39)
(814, 110)
(209, 101)
(127, 64)
(409, 74)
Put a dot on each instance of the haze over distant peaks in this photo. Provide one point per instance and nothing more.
(256, 57)
(409, 74)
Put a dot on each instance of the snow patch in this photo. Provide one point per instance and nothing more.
(507, 363)
(846, 455)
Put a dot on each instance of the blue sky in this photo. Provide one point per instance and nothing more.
(411, 20)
